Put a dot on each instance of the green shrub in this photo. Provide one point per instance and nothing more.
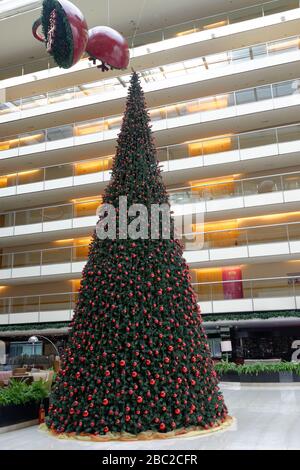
(225, 367)
(19, 393)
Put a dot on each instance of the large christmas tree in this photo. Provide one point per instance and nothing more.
(137, 358)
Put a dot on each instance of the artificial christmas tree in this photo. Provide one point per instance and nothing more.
(137, 358)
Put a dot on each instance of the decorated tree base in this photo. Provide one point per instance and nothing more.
(192, 431)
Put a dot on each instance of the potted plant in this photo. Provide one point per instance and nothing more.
(20, 402)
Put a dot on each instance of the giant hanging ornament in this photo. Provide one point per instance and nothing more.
(66, 37)
(65, 31)
(108, 46)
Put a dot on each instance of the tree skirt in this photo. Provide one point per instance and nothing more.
(143, 436)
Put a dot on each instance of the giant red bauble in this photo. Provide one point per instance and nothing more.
(75, 24)
(109, 46)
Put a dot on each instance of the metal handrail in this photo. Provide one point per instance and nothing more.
(69, 247)
(39, 295)
(171, 192)
(238, 229)
(107, 83)
(288, 278)
(162, 107)
(110, 157)
(36, 301)
(174, 146)
(237, 180)
(276, 278)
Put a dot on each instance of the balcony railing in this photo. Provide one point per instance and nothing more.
(245, 237)
(118, 86)
(69, 174)
(215, 21)
(51, 215)
(234, 241)
(272, 188)
(38, 303)
(175, 31)
(230, 188)
(45, 257)
(108, 127)
(276, 293)
(249, 295)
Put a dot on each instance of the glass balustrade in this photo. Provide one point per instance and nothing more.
(288, 133)
(257, 139)
(168, 113)
(243, 237)
(55, 256)
(216, 291)
(269, 234)
(26, 217)
(26, 304)
(205, 239)
(202, 147)
(24, 259)
(235, 188)
(176, 70)
(42, 303)
(251, 289)
(202, 192)
(278, 288)
(171, 32)
(56, 213)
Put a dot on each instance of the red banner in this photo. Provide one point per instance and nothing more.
(234, 289)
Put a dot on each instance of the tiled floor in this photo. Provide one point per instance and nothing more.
(267, 417)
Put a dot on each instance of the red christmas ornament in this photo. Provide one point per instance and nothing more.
(67, 38)
(76, 25)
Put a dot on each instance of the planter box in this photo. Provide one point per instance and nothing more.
(286, 377)
(263, 377)
(230, 377)
(272, 377)
(15, 414)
